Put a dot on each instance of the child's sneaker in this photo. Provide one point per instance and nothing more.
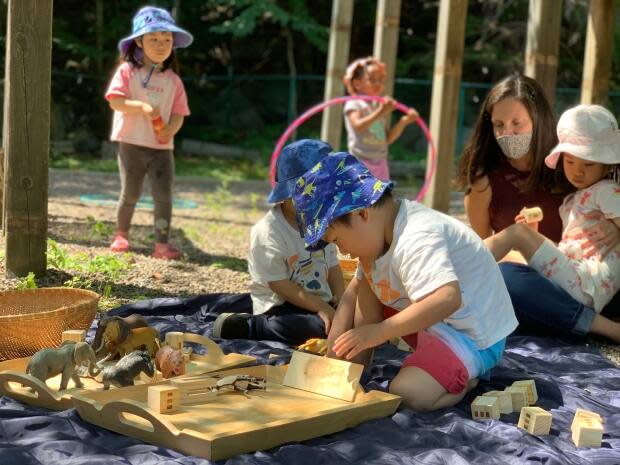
(120, 244)
(232, 326)
(165, 251)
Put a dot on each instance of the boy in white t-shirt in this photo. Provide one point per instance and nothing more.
(294, 292)
(423, 276)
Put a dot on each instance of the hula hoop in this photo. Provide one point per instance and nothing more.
(430, 172)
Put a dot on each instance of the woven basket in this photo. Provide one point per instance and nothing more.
(33, 319)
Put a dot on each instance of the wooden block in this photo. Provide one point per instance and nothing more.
(588, 432)
(484, 407)
(535, 420)
(532, 215)
(164, 398)
(581, 413)
(75, 335)
(532, 394)
(322, 375)
(504, 398)
(175, 339)
(519, 397)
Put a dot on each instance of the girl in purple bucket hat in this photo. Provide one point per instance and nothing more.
(149, 103)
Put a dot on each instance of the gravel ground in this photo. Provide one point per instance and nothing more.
(214, 238)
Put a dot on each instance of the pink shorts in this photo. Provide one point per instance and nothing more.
(435, 357)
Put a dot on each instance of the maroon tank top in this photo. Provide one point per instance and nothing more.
(508, 198)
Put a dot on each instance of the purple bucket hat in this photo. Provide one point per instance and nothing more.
(337, 185)
(152, 19)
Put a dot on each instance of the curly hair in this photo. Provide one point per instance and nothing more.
(482, 154)
(357, 70)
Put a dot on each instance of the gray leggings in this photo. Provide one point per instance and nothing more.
(134, 163)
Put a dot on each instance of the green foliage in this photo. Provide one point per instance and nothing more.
(98, 229)
(27, 282)
(247, 14)
(109, 265)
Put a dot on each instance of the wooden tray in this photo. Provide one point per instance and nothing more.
(231, 423)
(15, 383)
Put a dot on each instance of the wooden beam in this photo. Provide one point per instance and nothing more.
(386, 39)
(26, 130)
(445, 98)
(337, 59)
(599, 52)
(543, 43)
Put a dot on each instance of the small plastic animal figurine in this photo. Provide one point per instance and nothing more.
(240, 383)
(48, 363)
(138, 339)
(118, 325)
(127, 368)
(170, 362)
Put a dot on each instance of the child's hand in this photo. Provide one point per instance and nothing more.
(530, 217)
(520, 219)
(147, 109)
(410, 117)
(388, 105)
(327, 315)
(165, 134)
(351, 343)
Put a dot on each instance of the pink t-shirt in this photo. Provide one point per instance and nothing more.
(165, 90)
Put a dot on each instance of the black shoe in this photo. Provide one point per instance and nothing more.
(232, 326)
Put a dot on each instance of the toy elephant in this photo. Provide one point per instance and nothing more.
(48, 363)
(127, 368)
(138, 338)
(117, 331)
(170, 362)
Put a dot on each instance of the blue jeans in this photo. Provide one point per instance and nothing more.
(542, 305)
(286, 323)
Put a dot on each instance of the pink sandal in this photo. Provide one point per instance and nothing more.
(165, 251)
(120, 243)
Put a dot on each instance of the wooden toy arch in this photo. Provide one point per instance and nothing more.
(27, 97)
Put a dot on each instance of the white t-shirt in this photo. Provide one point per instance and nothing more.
(431, 249)
(277, 252)
(372, 143)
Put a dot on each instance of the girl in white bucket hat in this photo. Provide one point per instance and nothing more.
(588, 156)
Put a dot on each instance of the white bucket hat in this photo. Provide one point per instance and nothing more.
(589, 132)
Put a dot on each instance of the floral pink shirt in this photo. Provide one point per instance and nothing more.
(582, 210)
(164, 90)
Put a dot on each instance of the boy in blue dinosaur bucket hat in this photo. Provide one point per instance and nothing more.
(423, 276)
(294, 291)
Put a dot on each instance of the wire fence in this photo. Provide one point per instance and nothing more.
(255, 109)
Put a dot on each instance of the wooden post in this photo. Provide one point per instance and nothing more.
(337, 58)
(599, 51)
(26, 130)
(543, 42)
(445, 98)
(386, 39)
